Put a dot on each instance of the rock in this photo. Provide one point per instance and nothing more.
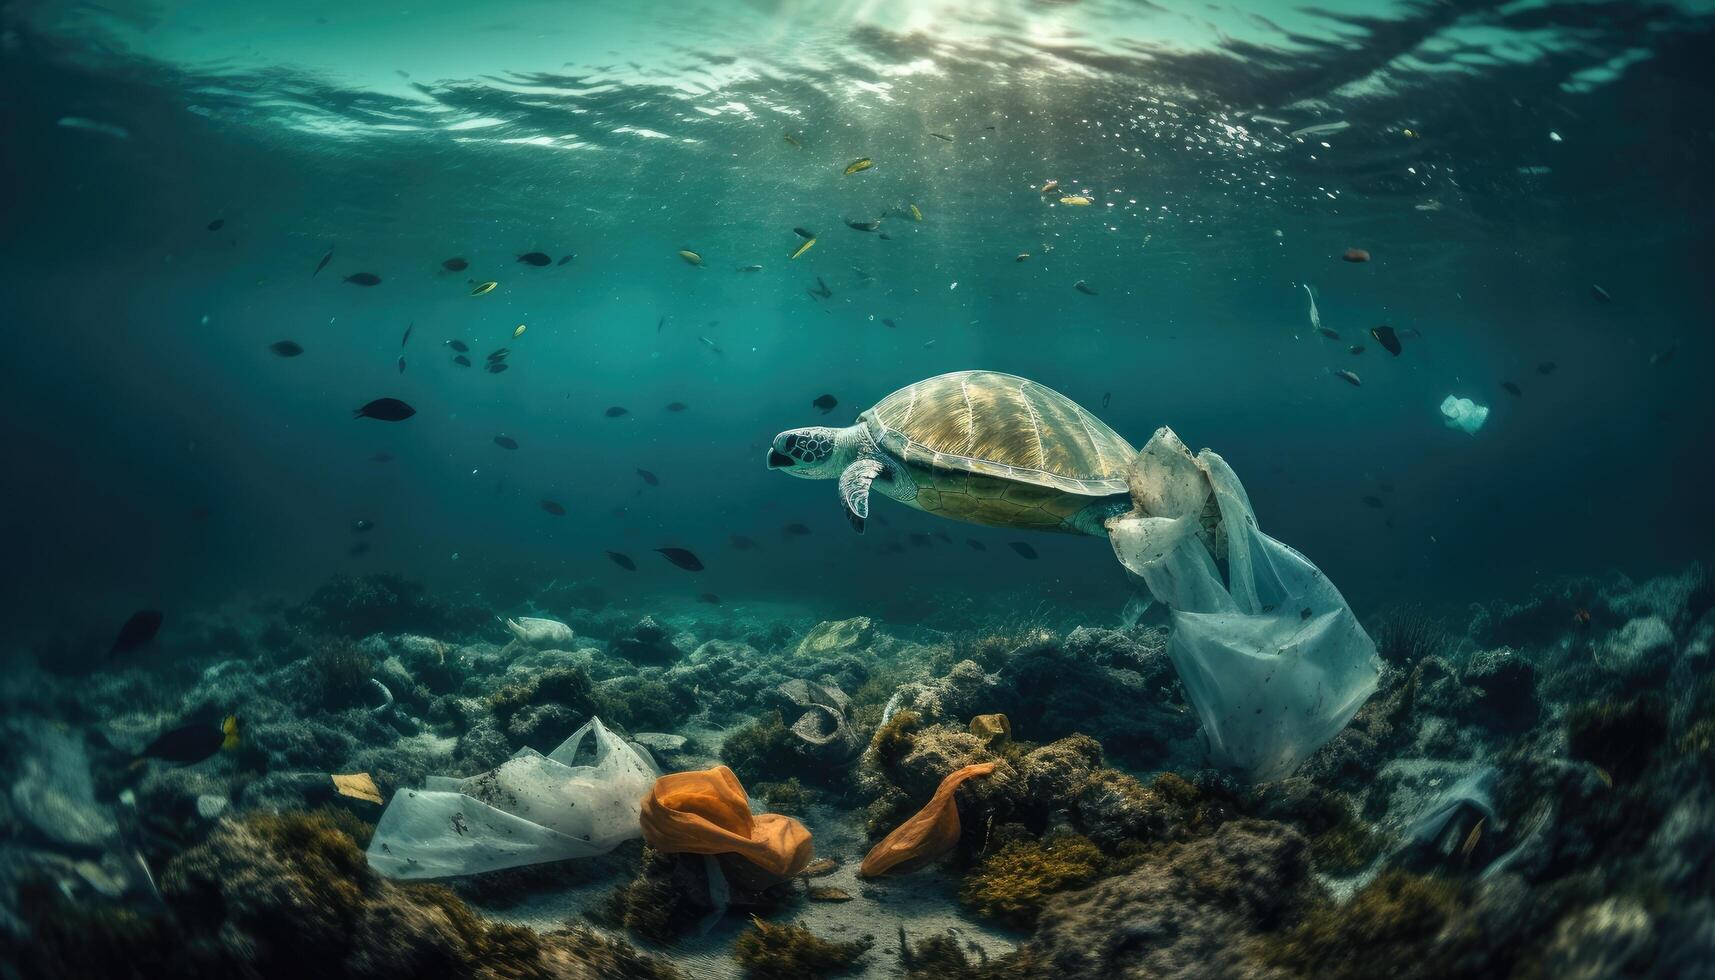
(660, 741)
(481, 748)
(54, 793)
(1640, 648)
(1508, 686)
(1143, 651)
(210, 807)
(646, 643)
(1612, 938)
(1111, 807)
(964, 693)
(836, 637)
(1053, 773)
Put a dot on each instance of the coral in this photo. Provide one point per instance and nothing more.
(1620, 737)
(792, 952)
(1418, 926)
(1013, 883)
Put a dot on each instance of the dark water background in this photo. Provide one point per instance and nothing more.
(158, 459)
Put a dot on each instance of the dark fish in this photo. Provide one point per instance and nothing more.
(976, 545)
(884, 236)
(826, 403)
(1107, 396)
(1513, 389)
(401, 363)
(1024, 551)
(649, 478)
(1374, 501)
(710, 598)
(616, 411)
(1084, 287)
(360, 548)
(461, 360)
(676, 406)
(660, 323)
(1385, 336)
(1355, 349)
(217, 224)
(137, 632)
(1331, 334)
(455, 264)
(795, 530)
(803, 233)
(750, 268)
(385, 410)
(553, 507)
(944, 536)
(381, 458)
(458, 345)
(360, 525)
(622, 560)
(942, 137)
(537, 259)
(500, 354)
(564, 259)
(408, 328)
(1600, 293)
(741, 543)
(919, 540)
(286, 348)
(1356, 255)
(1546, 367)
(888, 323)
(495, 367)
(506, 442)
(322, 264)
(189, 744)
(870, 225)
(1349, 378)
(363, 279)
(682, 558)
(821, 291)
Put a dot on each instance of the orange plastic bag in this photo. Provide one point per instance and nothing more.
(705, 811)
(932, 832)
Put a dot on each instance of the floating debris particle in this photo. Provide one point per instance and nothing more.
(1356, 255)
(858, 165)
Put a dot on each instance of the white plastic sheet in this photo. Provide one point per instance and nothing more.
(1463, 414)
(1271, 657)
(532, 809)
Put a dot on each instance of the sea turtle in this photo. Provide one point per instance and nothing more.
(975, 446)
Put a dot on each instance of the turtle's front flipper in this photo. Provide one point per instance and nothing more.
(854, 490)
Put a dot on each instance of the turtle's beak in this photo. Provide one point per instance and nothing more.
(778, 460)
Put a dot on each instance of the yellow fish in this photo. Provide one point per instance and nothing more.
(1076, 200)
(856, 165)
(229, 729)
(518, 332)
(690, 256)
(916, 215)
(808, 244)
(487, 287)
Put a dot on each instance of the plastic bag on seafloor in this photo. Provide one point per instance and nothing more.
(1272, 658)
(532, 809)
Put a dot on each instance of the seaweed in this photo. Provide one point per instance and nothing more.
(792, 952)
(1415, 925)
(1013, 883)
(893, 740)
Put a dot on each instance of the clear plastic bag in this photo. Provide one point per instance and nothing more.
(532, 809)
(1271, 657)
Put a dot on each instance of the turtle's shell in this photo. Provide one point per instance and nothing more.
(999, 449)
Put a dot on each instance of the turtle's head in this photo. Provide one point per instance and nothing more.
(812, 453)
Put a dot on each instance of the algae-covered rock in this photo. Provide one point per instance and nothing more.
(1013, 883)
(836, 637)
(1642, 647)
(648, 642)
(792, 952)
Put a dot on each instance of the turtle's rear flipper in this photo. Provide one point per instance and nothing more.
(854, 490)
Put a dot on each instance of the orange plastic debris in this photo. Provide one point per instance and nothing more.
(358, 786)
(932, 832)
(705, 811)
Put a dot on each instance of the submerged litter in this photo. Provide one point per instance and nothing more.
(1463, 414)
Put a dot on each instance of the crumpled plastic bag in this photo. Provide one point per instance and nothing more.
(706, 811)
(1463, 414)
(930, 833)
(1271, 657)
(532, 809)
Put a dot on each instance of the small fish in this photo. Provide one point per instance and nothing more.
(1385, 336)
(976, 545)
(1022, 257)
(1513, 389)
(457, 345)
(1546, 367)
(649, 478)
(859, 165)
(362, 525)
(1024, 551)
(622, 560)
(795, 530)
(455, 264)
(942, 137)
(1374, 501)
(1050, 186)
(363, 279)
(822, 289)
(709, 597)
(928, 344)
(537, 259)
(138, 632)
(804, 233)
(1315, 317)
(884, 236)
(461, 360)
(1107, 396)
(792, 140)
(496, 367)
(518, 331)
(690, 257)
(385, 410)
(1355, 349)
(1355, 255)
(616, 411)
(190, 744)
(1329, 333)
(888, 323)
(800, 250)
(1076, 200)
(484, 288)
(1349, 378)
(682, 558)
(677, 406)
(752, 268)
(217, 224)
(408, 328)
(322, 264)
(1600, 294)
(506, 442)
(1084, 287)
(500, 354)
(826, 403)
(401, 363)
(710, 345)
(863, 225)
(739, 542)
(553, 507)
(564, 259)
(286, 348)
